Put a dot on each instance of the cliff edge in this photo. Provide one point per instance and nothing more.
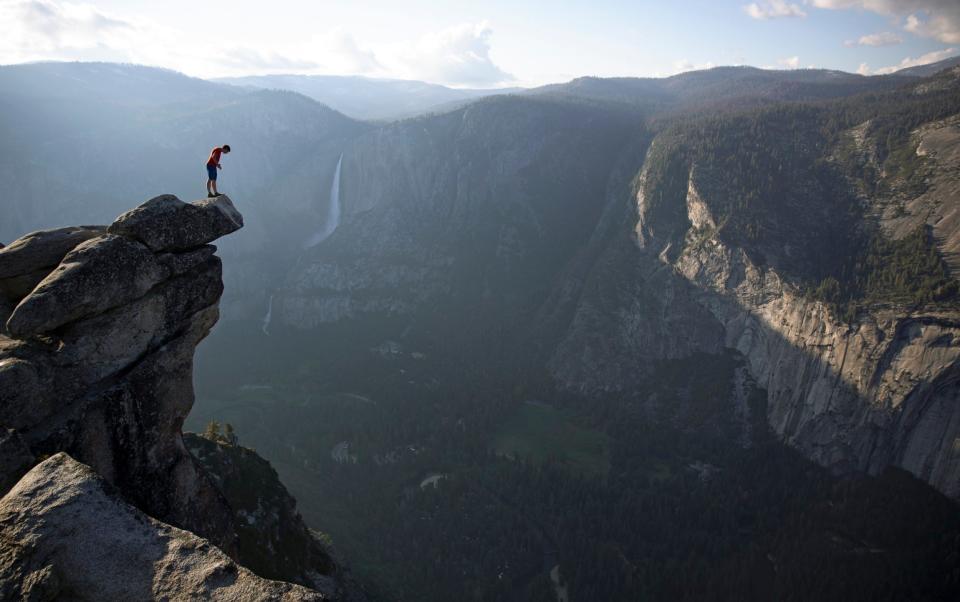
(99, 328)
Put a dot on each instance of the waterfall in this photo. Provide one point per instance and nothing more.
(329, 225)
(333, 212)
(267, 318)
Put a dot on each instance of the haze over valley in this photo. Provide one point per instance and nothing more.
(668, 337)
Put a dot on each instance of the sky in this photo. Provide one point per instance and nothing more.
(495, 43)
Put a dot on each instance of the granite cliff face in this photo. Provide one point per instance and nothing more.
(881, 390)
(96, 358)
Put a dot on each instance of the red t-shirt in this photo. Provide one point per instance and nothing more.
(214, 159)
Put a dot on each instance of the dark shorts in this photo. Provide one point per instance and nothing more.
(212, 172)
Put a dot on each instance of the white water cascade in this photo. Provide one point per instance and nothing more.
(329, 225)
(333, 212)
(267, 318)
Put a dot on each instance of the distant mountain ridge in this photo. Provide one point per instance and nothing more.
(719, 86)
(111, 82)
(930, 68)
(386, 99)
(368, 98)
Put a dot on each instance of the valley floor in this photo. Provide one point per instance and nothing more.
(653, 497)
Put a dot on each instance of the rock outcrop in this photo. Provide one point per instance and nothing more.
(69, 535)
(96, 364)
(165, 223)
(99, 274)
(28, 260)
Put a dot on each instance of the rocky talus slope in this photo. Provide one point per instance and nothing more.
(99, 329)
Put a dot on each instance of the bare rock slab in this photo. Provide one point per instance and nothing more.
(43, 249)
(68, 534)
(99, 274)
(165, 223)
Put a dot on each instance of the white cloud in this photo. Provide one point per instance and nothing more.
(684, 65)
(938, 19)
(874, 5)
(335, 52)
(943, 27)
(774, 9)
(246, 60)
(339, 52)
(34, 29)
(792, 62)
(926, 59)
(863, 69)
(885, 38)
(458, 56)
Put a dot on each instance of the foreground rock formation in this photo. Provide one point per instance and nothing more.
(76, 537)
(96, 356)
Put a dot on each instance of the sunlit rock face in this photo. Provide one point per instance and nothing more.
(881, 390)
(78, 538)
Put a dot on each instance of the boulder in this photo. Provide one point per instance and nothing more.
(44, 249)
(69, 535)
(112, 341)
(165, 223)
(99, 274)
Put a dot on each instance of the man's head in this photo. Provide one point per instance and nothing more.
(226, 148)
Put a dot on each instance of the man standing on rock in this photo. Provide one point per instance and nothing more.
(213, 164)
